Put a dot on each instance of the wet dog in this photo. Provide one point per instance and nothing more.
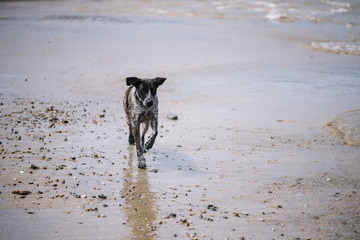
(141, 110)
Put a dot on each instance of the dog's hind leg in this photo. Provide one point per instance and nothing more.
(151, 141)
(131, 136)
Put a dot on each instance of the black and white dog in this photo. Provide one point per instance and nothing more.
(141, 110)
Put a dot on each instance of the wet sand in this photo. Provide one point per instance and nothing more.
(250, 157)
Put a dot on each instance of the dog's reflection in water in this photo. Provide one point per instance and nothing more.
(139, 201)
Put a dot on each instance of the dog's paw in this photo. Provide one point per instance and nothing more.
(142, 162)
(149, 145)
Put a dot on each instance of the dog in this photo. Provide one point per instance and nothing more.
(141, 110)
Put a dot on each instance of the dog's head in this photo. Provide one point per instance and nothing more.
(145, 88)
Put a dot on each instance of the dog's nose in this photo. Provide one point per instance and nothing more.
(149, 103)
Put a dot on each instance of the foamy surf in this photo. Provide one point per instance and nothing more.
(346, 127)
(340, 47)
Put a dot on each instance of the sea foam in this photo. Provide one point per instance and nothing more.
(341, 47)
(346, 127)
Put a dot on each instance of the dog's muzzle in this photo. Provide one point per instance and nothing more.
(149, 102)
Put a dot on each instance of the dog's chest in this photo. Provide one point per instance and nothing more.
(147, 117)
(144, 113)
(135, 109)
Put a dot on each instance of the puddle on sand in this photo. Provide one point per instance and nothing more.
(140, 208)
(346, 127)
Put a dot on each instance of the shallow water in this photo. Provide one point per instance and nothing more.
(339, 12)
(339, 19)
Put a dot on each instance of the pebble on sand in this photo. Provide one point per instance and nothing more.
(172, 116)
(18, 192)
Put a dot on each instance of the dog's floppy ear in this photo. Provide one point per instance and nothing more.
(159, 81)
(132, 81)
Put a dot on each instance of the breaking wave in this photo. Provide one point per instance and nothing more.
(341, 47)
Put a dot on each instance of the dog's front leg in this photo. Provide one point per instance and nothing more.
(151, 141)
(145, 127)
(139, 147)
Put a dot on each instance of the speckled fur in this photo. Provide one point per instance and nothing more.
(141, 110)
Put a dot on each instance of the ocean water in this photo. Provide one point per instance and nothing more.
(340, 17)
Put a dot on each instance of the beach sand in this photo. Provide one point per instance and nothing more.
(251, 155)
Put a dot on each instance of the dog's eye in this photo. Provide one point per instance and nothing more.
(144, 90)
